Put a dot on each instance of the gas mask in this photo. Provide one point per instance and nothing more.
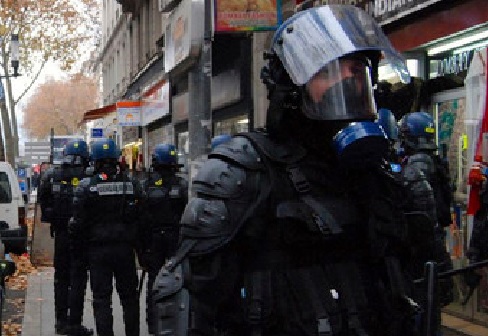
(107, 166)
(360, 144)
(73, 160)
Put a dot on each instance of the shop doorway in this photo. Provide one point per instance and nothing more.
(449, 114)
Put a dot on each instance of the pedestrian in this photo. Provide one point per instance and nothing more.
(106, 218)
(70, 267)
(164, 198)
(478, 243)
(296, 230)
(417, 138)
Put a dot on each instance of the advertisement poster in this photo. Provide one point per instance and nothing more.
(247, 15)
(129, 113)
(155, 105)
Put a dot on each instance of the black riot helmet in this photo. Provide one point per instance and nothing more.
(324, 59)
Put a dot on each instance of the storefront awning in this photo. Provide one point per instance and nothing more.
(98, 113)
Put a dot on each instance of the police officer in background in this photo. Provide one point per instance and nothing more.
(70, 269)
(219, 139)
(106, 218)
(419, 202)
(164, 198)
(297, 230)
(417, 137)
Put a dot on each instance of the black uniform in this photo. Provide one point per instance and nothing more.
(282, 240)
(70, 265)
(165, 197)
(105, 217)
(437, 174)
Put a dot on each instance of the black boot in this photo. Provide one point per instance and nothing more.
(61, 327)
(79, 330)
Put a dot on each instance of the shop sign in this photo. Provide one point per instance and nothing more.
(156, 105)
(181, 106)
(129, 113)
(247, 15)
(184, 33)
(454, 64)
(97, 132)
(384, 11)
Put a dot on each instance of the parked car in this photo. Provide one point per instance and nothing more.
(13, 228)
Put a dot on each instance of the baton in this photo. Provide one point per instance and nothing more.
(450, 273)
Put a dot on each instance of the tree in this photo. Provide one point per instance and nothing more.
(61, 30)
(60, 104)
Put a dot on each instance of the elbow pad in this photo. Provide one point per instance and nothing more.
(171, 303)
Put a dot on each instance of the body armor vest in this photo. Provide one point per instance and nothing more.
(315, 259)
(64, 180)
(111, 206)
(164, 201)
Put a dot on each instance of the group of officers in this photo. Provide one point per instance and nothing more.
(316, 225)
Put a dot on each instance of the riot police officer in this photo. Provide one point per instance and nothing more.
(420, 204)
(70, 269)
(417, 137)
(295, 230)
(164, 198)
(106, 218)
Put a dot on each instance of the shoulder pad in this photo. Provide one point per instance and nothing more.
(240, 151)
(207, 222)
(219, 179)
(412, 174)
(423, 162)
(283, 152)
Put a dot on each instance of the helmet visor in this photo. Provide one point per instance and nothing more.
(312, 38)
(341, 90)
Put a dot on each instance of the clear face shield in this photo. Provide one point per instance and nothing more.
(341, 90)
(73, 160)
(313, 38)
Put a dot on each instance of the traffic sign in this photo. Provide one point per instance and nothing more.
(97, 132)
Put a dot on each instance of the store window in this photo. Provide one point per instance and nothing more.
(232, 125)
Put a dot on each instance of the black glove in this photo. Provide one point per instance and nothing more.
(52, 231)
(144, 258)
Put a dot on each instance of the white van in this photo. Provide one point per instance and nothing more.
(13, 229)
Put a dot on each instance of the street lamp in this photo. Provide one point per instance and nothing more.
(14, 56)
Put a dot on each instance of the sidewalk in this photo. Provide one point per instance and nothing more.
(39, 307)
(463, 327)
(39, 310)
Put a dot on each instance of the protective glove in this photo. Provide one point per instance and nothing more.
(144, 258)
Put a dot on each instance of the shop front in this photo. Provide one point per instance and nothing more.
(442, 41)
(156, 120)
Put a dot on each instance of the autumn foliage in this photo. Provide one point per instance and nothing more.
(60, 104)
